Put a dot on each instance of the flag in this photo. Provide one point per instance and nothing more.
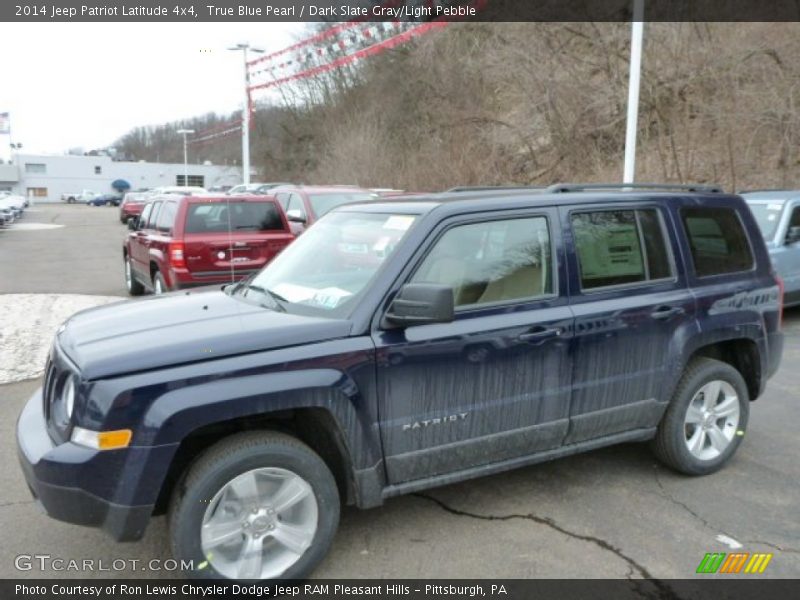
(5, 123)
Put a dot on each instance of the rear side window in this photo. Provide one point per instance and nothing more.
(619, 247)
(717, 240)
(216, 217)
(166, 217)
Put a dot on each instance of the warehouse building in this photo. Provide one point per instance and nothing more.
(45, 178)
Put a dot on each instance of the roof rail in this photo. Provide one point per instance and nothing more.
(561, 188)
(489, 188)
(767, 190)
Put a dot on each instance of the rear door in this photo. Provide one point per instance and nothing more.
(632, 309)
(233, 235)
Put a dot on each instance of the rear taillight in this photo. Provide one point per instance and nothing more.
(781, 289)
(176, 257)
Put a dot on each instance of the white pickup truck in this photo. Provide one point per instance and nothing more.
(83, 197)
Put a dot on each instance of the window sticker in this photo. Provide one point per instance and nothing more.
(329, 297)
(774, 206)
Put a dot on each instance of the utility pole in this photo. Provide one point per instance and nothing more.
(634, 82)
(185, 132)
(244, 47)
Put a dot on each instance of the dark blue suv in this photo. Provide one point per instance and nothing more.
(402, 345)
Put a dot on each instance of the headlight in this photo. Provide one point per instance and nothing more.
(68, 396)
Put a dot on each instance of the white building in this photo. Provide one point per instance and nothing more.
(47, 177)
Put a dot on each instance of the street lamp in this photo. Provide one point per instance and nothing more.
(244, 47)
(185, 132)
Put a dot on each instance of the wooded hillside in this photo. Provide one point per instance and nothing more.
(531, 103)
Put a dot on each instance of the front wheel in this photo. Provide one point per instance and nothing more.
(258, 505)
(706, 419)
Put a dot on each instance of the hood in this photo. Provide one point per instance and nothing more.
(173, 329)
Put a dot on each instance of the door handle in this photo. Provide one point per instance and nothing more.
(539, 334)
(667, 312)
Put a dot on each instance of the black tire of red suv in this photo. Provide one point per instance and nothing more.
(131, 283)
(670, 444)
(226, 460)
(158, 280)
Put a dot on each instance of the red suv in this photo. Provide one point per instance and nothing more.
(187, 241)
(304, 204)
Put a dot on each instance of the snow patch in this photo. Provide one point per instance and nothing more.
(28, 323)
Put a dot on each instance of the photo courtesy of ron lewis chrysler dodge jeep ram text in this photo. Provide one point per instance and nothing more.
(404, 344)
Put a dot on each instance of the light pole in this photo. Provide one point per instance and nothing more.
(185, 132)
(634, 79)
(244, 47)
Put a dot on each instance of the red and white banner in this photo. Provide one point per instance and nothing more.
(346, 59)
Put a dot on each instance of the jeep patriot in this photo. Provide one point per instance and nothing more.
(400, 345)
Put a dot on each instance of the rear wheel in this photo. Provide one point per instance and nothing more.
(706, 419)
(159, 285)
(131, 283)
(258, 505)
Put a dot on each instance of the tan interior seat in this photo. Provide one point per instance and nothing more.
(524, 282)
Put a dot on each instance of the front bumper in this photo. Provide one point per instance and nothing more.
(59, 475)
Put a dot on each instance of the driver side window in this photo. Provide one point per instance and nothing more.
(494, 261)
(295, 203)
(141, 223)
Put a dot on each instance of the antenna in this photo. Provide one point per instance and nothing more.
(230, 238)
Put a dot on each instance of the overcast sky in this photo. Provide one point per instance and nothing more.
(86, 84)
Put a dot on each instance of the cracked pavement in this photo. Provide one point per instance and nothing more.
(615, 512)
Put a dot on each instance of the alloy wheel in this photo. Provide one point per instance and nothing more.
(259, 524)
(711, 420)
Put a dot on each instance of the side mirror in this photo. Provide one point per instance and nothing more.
(133, 223)
(793, 235)
(421, 303)
(296, 215)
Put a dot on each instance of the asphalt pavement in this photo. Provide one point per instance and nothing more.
(614, 513)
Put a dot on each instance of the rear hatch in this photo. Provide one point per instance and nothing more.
(236, 234)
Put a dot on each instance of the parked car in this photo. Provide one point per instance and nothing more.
(183, 190)
(132, 204)
(82, 197)
(186, 241)
(15, 204)
(105, 200)
(777, 213)
(6, 215)
(401, 345)
(304, 204)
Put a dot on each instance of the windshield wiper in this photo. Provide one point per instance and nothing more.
(278, 301)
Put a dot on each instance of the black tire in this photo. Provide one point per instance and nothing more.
(158, 279)
(134, 287)
(228, 459)
(669, 444)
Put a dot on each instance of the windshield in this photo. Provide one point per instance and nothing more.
(767, 215)
(324, 203)
(325, 269)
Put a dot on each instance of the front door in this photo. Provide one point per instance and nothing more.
(140, 244)
(493, 384)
